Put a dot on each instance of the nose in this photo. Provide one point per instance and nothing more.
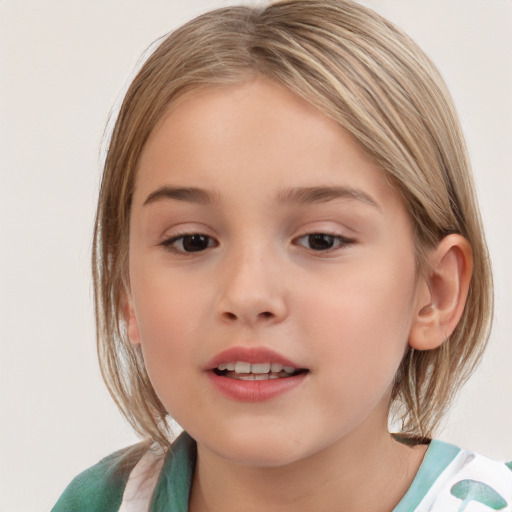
(252, 291)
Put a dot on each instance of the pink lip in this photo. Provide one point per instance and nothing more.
(251, 355)
(252, 390)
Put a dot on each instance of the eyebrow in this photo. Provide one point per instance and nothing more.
(188, 194)
(295, 195)
(309, 195)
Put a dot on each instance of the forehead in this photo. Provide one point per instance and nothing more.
(258, 134)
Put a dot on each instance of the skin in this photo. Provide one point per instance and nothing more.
(347, 313)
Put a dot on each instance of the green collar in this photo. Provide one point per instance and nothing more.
(173, 487)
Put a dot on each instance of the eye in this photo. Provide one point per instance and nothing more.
(194, 242)
(323, 241)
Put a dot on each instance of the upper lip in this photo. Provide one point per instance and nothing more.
(251, 355)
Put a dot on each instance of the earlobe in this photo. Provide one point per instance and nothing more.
(132, 327)
(451, 266)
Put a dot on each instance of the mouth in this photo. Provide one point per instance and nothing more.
(242, 370)
(254, 374)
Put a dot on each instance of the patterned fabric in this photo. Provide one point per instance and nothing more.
(451, 479)
(138, 479)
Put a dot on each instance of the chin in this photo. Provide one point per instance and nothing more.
(268, 456)
(255, 447)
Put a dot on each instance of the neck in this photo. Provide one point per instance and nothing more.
(362, 472)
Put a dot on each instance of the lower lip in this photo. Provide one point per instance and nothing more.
(254, 390)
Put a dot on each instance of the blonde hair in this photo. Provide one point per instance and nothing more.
(376, 83)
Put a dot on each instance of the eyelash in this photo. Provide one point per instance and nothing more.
(330, 238)
(170, 244)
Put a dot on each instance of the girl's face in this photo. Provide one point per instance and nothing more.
(262, 233)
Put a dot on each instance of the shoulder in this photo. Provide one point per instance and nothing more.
(100, 488)
(467, 479)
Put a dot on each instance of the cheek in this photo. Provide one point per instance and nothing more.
(170, 347)
(362, 318)
(165, 301)
(170, 317)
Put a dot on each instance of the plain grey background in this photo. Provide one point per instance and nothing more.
(63, 65)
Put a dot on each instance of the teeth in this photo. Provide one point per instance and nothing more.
(246, 376)
(257, 376)
(241, 367)
(263, 369)
(260, 368)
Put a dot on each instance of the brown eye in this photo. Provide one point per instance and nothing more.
(322, 241)
(195, 242)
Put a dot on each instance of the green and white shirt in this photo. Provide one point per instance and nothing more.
(137, 479)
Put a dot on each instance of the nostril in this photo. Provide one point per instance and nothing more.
(230, 316)
(267, 314)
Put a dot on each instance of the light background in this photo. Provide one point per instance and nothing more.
(63, 64)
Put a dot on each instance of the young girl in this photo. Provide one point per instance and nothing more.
(288, 253)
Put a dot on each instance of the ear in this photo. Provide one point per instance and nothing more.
(443, 297)
(132, 327)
